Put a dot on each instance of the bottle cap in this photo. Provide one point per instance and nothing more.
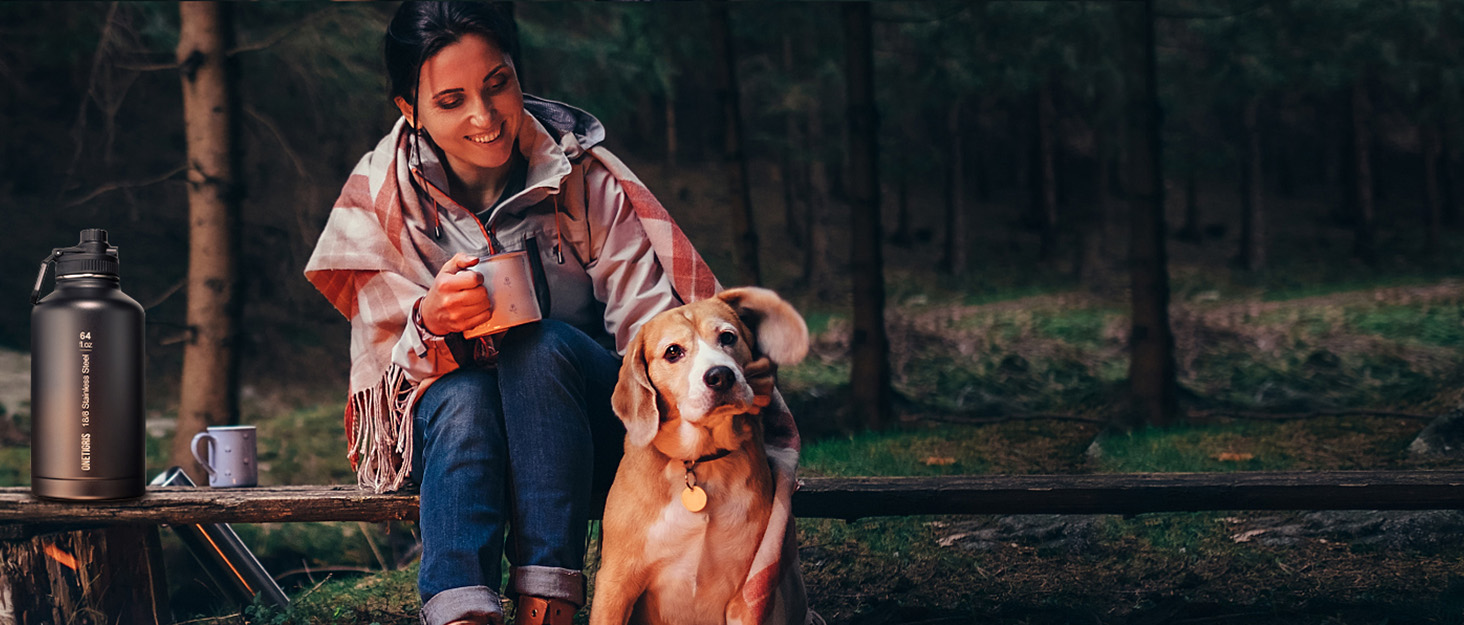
(91, 256)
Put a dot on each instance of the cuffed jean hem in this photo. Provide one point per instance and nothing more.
(549, 582)
(462, 603)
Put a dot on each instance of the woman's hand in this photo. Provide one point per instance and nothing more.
(762, 376)
(457, 300)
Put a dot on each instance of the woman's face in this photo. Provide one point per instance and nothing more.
(470, 102)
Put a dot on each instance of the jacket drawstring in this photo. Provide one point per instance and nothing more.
(558, 238)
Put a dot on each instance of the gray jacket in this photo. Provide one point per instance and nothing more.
(601, 273)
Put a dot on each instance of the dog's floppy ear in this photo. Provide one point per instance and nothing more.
(634, 399)
(781, 333)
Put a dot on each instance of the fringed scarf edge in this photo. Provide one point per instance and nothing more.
(379, 427)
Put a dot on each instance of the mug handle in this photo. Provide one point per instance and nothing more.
(212, 444)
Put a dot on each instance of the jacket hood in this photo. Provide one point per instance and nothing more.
(561, 119)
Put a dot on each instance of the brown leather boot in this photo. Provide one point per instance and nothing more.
(535, 611)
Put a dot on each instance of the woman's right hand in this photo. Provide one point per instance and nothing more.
(457, 300)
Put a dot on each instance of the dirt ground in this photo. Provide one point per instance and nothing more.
(1248, 568)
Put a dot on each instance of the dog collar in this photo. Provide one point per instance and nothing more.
(720, 453)
(694, 497)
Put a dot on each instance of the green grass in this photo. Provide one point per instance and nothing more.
(813, 374)
(904, 453)
(1277, 286)
(305, 446)
(1438, 326)
(388, 598)
(14, 466)
(1084, 326)
(1332, 443)
(1016, 447)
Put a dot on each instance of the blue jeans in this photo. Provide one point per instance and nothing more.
(513, 446)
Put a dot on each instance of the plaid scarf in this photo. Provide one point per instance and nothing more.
(370, 265)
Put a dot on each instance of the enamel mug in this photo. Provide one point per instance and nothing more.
(232, 451)
(510, 284)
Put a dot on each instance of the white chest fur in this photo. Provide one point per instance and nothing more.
(701, 558)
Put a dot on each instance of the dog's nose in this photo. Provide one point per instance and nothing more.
(719, 378)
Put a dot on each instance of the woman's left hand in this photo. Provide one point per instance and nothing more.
(762, 376)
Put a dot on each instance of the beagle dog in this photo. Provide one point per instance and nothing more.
(693, 493)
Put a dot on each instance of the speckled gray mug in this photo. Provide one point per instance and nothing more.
(510, 285)
(232, 451)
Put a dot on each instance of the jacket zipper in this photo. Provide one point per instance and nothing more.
(433, 191)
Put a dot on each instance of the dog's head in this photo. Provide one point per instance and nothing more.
(691, 359)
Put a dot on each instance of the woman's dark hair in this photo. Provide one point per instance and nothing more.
(421, 29)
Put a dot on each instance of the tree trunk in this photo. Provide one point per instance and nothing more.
(1333, 151)
(1362, 246)
(1283, 152)
(954, 261)
(97, 577)
(744, 227)
(1090, 261)
(983, 121)
(816, 202)
(870, 377)
(902, 236)
(672, 150)
(1192, 230)
(209, 385)
(1252, 222)
(1153, 388)
(1047, 171)
(1434, 221)
(1452, 194)
(792, 169)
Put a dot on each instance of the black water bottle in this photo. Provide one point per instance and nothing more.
(86, 378)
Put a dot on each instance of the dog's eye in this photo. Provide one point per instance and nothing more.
(727, 338)
(674, 353)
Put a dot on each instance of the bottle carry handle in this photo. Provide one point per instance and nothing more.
(41, 277)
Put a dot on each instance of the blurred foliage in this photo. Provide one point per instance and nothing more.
(90, 108)
(94, 123)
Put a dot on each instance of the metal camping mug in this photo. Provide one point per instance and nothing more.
(510, 287)
(232, 452)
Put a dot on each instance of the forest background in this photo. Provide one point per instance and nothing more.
(1312, 155)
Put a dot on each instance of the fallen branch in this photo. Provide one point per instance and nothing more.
(165, 295)
(262, 44)
(150, 67)
(329, 571)
(212, 619)
(279, 35)
(1030, 416)
(126, 184)
(1193, 414)
(279, 136)
(371, 542)
(78, 128)
(1296, 416)
(1205, 15)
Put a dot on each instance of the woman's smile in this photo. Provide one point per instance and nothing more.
(488, 137)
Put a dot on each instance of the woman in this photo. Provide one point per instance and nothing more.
(500, 431)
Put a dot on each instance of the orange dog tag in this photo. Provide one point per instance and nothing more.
(694, 498)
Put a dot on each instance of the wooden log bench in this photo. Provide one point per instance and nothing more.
(29, 526)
